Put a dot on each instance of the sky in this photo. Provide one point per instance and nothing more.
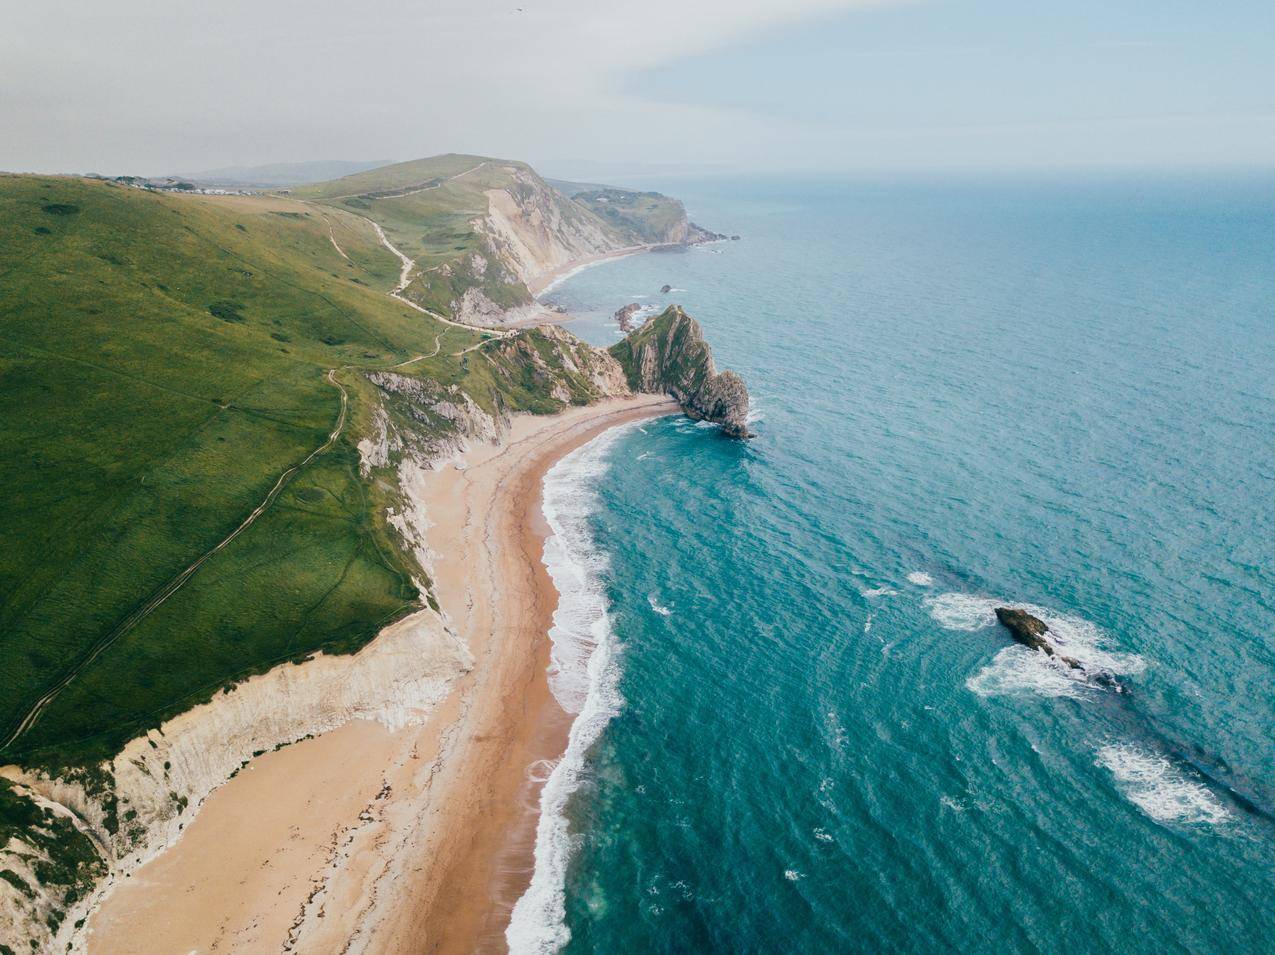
(149, 87)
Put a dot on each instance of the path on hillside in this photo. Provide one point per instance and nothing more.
(438, 343)
(410, 192)
(160, 596)
(405, 278)
(332, 236)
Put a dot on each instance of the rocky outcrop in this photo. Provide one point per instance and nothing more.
(1032, 632)
(668, 355)
(624, 316)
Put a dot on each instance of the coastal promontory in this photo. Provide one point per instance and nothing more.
(669, 355)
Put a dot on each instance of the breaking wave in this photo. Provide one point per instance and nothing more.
(1160, 789)
(584, 676)
(658, 607)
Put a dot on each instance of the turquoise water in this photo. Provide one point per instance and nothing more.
(807, 734)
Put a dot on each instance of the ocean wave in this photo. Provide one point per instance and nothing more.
(1016, 669)
(920, 578)
(1160, 789)
(583, 675)
(658, 607)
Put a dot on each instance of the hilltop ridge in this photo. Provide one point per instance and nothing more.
(482, 232)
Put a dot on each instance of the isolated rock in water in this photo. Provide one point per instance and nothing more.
(1031, 632)
(668, 355)
(625, 316)
(665, 289)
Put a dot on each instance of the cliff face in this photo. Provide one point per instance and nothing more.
(535, 229)
(138, 803)
(669, 355)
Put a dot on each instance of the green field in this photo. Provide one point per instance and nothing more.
(163, 360)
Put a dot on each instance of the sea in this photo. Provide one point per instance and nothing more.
(799, 726)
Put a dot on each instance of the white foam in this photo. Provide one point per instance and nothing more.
(920, 578)
(792, 875)
(1159, 788)
(583, 675)
(1016, 669)
(879, 592)
(657, 607)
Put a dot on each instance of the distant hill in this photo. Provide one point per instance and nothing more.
(282, 174)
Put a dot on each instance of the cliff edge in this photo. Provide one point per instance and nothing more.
(669, 355)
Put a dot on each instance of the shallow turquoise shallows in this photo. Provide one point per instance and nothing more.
(1056, 394)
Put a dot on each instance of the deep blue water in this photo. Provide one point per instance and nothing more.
(1054, 393)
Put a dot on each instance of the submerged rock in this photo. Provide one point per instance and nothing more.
(668, 355)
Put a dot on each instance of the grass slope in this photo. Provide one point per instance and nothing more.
(164, 361)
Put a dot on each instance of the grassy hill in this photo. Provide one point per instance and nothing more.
(640, 217)
(165, 359)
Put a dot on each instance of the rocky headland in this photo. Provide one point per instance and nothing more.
(668, 355)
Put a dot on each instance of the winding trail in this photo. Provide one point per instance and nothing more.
(405, 278)
(438, 343)
(157, 599)
(332, 236)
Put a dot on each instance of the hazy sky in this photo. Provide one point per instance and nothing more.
(151, 87)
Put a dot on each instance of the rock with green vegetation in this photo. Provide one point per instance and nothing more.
(48, 864)
(669, 355)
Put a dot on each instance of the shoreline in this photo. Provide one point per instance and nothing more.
(417, 838)
(550, 280)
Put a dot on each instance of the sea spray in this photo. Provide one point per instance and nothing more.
(583, 676)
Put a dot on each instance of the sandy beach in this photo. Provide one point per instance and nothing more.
(543, 283)
(418, 840)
